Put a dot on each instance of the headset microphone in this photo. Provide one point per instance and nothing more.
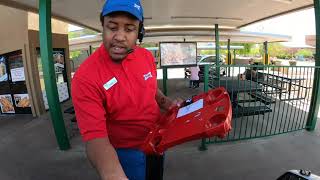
(129, 50)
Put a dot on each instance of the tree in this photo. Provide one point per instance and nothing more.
(74, 54)
(246, 48)
(304, 52)
(82, 32)
(149, 44)
(278, 50)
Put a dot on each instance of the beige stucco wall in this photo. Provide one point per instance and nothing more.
(57, 26)
(310, 40)
(13, 31)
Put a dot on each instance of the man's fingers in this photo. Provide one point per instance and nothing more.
(178, 102)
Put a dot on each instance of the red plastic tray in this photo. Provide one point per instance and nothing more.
(213, 119)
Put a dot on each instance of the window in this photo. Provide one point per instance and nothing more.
(60, 74)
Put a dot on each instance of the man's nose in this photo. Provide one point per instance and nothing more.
(120, 35)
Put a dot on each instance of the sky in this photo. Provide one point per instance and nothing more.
(296, 24)
(73, 28)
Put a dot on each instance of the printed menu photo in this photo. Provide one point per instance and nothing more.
(3, 71)
(6, 104)
(22, 100)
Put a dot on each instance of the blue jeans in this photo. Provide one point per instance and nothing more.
(137, 166)
(133, 163)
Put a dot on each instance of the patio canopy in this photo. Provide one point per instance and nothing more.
(82, 43)
(173, 14)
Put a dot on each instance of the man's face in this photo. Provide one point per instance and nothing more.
(120, 33)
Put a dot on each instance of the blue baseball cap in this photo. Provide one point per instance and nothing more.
(130, 6)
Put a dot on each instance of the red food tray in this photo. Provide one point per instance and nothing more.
(210, 116)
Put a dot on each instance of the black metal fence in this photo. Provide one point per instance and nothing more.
(266, 100)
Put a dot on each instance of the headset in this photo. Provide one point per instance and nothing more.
(141, 31)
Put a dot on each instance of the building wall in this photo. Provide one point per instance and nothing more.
(15, 35)
(58, 27)
(13, 32)
(58, 41)
(311, 40)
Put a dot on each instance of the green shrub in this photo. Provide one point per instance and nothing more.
(293, 63)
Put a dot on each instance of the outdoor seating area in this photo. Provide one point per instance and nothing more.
(272, 104)
(290, 87)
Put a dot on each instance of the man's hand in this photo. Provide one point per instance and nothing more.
(176, 102)
(104, 159)
(166, 103)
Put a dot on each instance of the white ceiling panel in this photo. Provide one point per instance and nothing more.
(231, 13)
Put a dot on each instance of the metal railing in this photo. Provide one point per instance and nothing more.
(266, 100)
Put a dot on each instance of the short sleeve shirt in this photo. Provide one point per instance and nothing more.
(116, 99)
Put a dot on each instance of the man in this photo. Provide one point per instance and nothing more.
(115, 95)
(251, 73)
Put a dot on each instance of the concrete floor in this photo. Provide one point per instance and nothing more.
(29, 152)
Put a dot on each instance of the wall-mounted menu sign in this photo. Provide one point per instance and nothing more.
(16, 68)
(22, 100)
(6, 104)
(3, 70)
(17, 74)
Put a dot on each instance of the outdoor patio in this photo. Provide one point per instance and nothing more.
(32, 154)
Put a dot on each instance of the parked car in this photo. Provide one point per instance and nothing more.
(210, 60)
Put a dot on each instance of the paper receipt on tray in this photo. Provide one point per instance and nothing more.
(190, 108)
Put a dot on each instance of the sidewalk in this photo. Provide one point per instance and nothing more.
(29, 152)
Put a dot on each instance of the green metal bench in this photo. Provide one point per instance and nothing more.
(260, 96)
(240, 110)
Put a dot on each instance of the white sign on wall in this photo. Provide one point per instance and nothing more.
(62, 91)
(17, 74)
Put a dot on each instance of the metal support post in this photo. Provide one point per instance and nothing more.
(229, 57)
(216, 33)
(315, 99)
(203, 145)
(164, 80)
(49, 74)
(266, 53)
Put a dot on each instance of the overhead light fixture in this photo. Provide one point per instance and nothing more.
(201, 17)
(185, 27)
(284, 1)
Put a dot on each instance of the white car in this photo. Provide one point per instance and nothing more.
(210, 60)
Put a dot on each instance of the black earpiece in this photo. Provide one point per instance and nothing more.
(141, 32)
(129, 50)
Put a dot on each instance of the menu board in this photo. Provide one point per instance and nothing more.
(3, 71)
(6, 104)
(16, 68)
(22, 100)
(178, 54)
(17, 74)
